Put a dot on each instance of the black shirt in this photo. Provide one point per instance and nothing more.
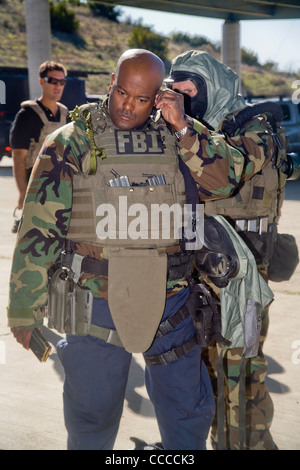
(27, 125)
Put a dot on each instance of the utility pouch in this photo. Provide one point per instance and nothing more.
(260, 244)
(69, 305)
(285, 258)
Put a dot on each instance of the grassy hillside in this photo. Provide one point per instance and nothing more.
(99, 44)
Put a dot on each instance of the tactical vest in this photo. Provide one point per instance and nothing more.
(144, 213)
(117, 207)
(262, 195)
(256, 197)
(48, 127)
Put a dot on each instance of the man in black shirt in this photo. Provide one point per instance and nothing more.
(35, 120)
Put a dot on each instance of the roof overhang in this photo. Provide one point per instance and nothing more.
(233, 10)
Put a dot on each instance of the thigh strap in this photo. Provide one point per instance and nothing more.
(173, 354)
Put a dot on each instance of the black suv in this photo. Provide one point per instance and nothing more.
(291, 122)
(5, 122)
(14, 81)
(14, 88)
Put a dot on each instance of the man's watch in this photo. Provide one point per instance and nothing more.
(180, 133)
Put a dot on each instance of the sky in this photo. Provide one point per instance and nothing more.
(270, 40)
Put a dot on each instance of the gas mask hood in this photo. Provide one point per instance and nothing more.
(221, 85)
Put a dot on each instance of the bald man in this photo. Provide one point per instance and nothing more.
(118, 278)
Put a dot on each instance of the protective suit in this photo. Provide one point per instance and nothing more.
(253, 210)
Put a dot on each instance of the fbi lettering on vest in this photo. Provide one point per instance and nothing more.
(133, 142)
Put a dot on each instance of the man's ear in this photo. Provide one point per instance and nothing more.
(113, 77)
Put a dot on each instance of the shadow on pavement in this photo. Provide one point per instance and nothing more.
(273, 385)
(136, 402)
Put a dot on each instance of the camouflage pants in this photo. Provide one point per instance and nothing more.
(259, 405)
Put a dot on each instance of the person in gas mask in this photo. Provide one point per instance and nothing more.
(211, 95)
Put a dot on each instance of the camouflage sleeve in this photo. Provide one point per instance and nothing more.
(218, 164)
(255, 142)
(44, 226)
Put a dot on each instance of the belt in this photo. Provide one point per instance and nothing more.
(81, 264)
(178, 265)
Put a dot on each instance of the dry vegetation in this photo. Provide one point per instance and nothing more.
(98, 45)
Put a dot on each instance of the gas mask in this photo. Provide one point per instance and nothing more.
(195, 106)
(217, 258)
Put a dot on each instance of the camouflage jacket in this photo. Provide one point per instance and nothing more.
(216, 165)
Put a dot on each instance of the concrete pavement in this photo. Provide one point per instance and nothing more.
(31, 415)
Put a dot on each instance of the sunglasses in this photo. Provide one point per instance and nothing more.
(55, 81)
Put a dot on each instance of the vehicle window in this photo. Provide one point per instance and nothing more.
(286, 112)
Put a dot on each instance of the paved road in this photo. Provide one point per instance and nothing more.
(31, 416)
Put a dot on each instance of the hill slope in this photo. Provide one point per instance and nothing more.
(98, 46)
